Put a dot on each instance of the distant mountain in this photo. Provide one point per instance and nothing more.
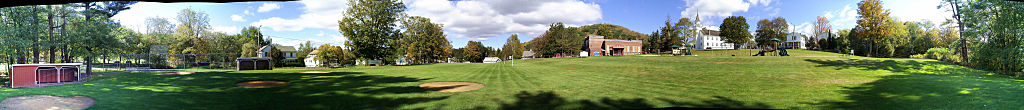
(611, 31)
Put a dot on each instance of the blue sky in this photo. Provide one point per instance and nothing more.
(492, 21)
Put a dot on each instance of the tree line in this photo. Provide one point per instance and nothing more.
(63, 33)
(983, 34)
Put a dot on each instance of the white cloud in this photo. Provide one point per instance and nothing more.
(321, 34)
(246, 12)
(296, 42)
(340, 41)
(920, 10)
(804, 28)
(237, 18)
(773, 11)
(227, 29)
(762, 2)
(135, 18)
(280, 24)
(480, 20)
(711, 8)
(842, 19)
(268, 7)
(334, 39)
(320, 14)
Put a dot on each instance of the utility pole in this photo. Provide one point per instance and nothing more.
(510, 59)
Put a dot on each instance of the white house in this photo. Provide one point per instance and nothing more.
(794, 41)
(287, 51)
(310, 60)
(263, 51)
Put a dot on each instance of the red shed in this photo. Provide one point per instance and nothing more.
(23, 75)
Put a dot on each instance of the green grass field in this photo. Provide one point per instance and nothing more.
(806, 80)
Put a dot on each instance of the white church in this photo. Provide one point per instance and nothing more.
(709, 38)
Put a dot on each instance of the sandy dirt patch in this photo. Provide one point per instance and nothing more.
(262, 84)
(451, 86)
(46, 102)
(177, 73)
(315, 72)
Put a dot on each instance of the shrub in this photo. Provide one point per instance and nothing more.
(944, 54)
(293, 64)
(918, 56)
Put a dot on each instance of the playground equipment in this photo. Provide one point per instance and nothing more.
(682, 50)
(779, 49)
(782, 51)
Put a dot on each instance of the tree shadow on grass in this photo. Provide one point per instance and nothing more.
(546, 100)
(925, 85)
(217, 90)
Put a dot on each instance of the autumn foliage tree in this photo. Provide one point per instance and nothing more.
(474, 52)
(872, 25)
(823, 30)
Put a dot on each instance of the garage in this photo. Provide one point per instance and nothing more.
(30, 75)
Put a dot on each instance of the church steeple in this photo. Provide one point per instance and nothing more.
(699, 25)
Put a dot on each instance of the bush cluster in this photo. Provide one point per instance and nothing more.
(944, 54)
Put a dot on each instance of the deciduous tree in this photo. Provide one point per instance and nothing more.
(474, 51)
(872, 24)
(734, 30)
(767, 30)
(370, 26)
(512, 48)
(425, 42)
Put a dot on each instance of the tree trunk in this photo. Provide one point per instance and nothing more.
(960, 24)
(88, 64)
(67, 55)
(35, 39)
(50, 26)
(21, 58)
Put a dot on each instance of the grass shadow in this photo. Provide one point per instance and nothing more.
(547, 100)
(925, 85)
(218, 90)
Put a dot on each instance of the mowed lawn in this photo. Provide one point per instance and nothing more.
(805, 80)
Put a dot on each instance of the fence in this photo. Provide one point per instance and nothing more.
(142, 62)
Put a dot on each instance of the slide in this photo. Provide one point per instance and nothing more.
(762, 52)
